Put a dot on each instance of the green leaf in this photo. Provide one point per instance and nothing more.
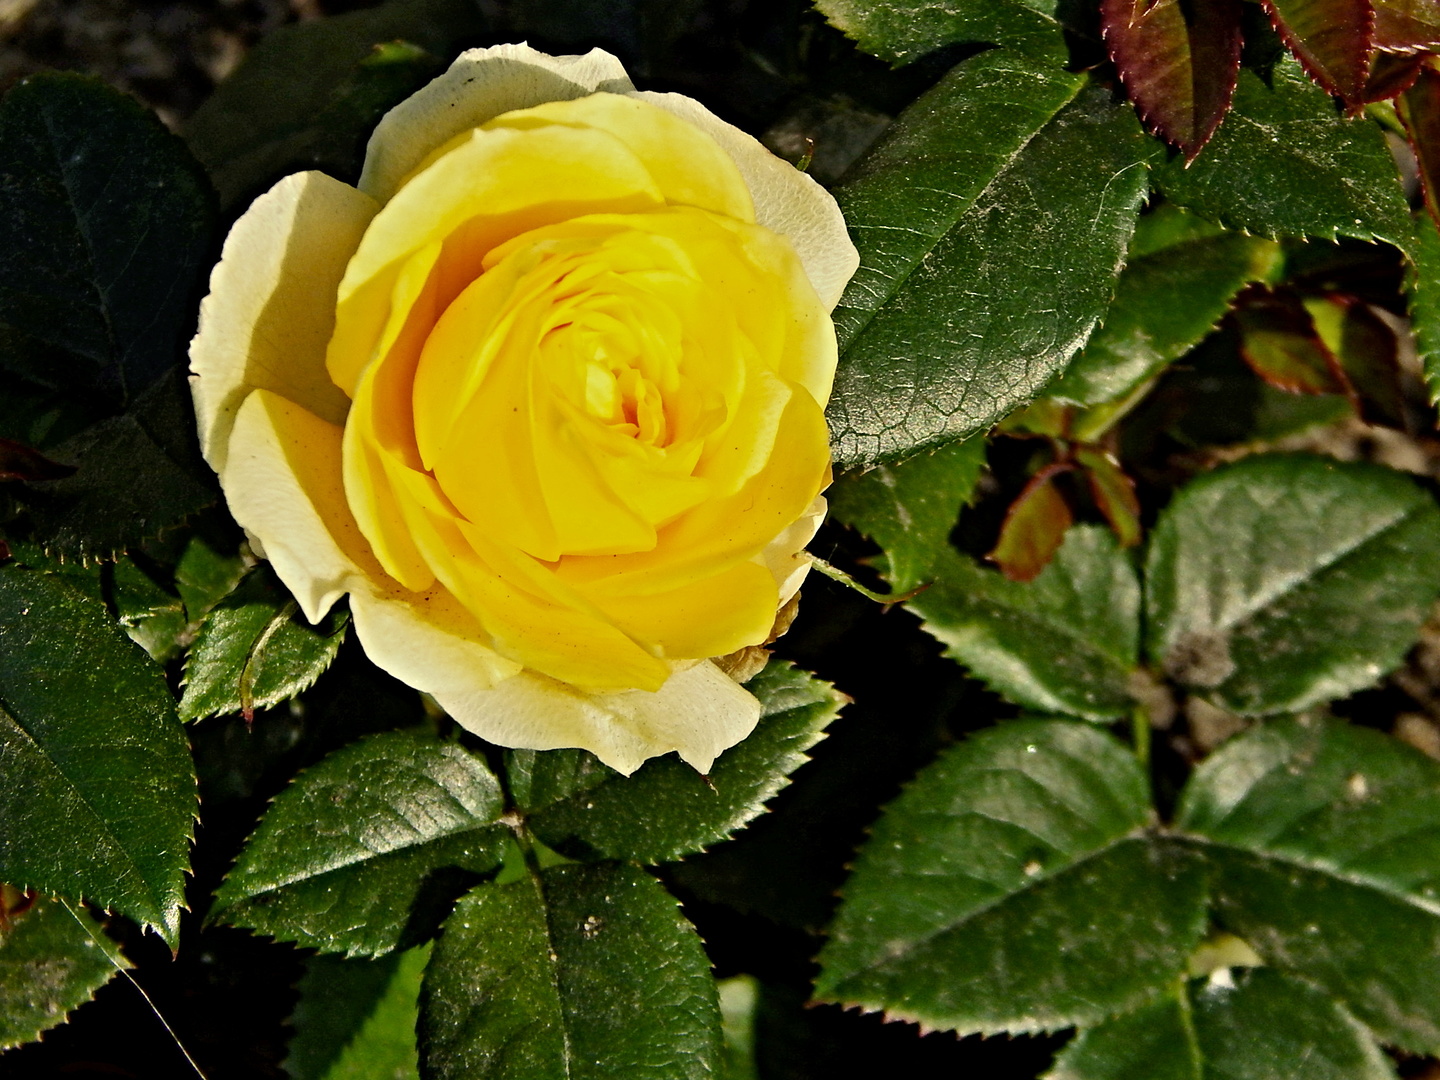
(137, 474)
(105, 226)
(1284, 164)
(99, 794)
(153, 617)
(255, 650)
(50, 963)
(1324, 840)
(364, 852)
(904, 30)
(1065, 642)
(308, 96)
(205, 575)
(909, 508)
(666, 809)
(1164, 304)
(1011, 179)
(1011, 888)
(580, 973)
(1424, 302)
(355, 1019)
(1284, 581)
(1257, 1024)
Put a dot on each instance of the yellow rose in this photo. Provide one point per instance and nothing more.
(544, 395)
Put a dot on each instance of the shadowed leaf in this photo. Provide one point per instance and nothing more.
(1419, 108)
(1113, 492)
(19, 462)
(1403, 26)
(1178, 61)
(1279, 341)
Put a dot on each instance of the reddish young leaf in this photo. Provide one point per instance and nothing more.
(1391, 74)
(1368, 352)
(19, 462)
(1332, 39)
(1279, 341)
(1035, 526)
(1407, 26)
(1113, 492)
(1419, 108)
(1178, 61)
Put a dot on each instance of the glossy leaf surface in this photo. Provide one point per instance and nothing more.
(1255, 1023)
(99, 796)
(910, 507)
(1324, 841)
(255, 650)
(1284, 581)
(904, 30)
(666, 809)
(1407, 25)
(1009, 888)
(1012, 178)
(1331, 38)
(50, 963)
(1178, 62)
(364, 852)
(1284, 164)
(1066, 642)
(580, 973)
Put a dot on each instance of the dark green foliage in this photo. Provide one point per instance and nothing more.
(255, 650)
(105, 223)
(309, 95)
(1324, 840)
(1010, 889)
(1012, 178)
(909, 508)
(51, 961)
(99, 793)
(365, 851)
(577, 972)
(1285, 164)
(666, 809)
(1065, 642)
(1285, 581)
(902, 30)
(355, 1019)
(1254, 1024)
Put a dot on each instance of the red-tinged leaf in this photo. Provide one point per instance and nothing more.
(1419, 108)
(1332, 39)
(1368, 352)
(19, 462)
(1113, 492)
(1407, 26)
(1035, 526)
(1279, 341)
(1391, 74)
(1178, 61)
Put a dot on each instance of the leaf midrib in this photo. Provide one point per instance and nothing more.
(951, 222)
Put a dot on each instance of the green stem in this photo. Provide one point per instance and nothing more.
(834, 573)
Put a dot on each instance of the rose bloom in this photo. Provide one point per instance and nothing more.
(544, 394)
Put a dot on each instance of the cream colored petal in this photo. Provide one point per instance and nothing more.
(699, 712)
(479, 86)
(786, 200)
(785, 555)
(271, 307)
(282, 481)
(427, 640)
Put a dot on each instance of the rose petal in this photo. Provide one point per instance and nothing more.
(784, 556)
(698, 712)
(479, 86)
(271, 307)
(787, 201)
(283, 483)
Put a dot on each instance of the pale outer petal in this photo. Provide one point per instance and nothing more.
(787, 201)
(273, 480)
(479, 86)
(271, 307)
(785, 555)
(699, 712)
